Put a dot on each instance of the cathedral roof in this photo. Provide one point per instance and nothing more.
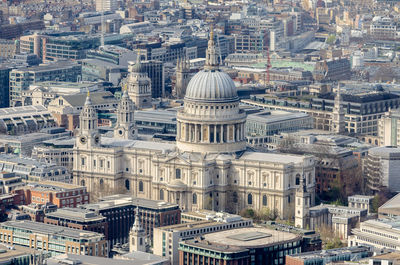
(211, 85)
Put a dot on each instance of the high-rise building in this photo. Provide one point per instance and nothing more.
(155, 71)
(106, 5)
(4, 85)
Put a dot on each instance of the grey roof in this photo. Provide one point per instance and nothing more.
(55, 230)
(76, 214)
(388, 152)
(211, 85)
(134, 258)
(78, 100)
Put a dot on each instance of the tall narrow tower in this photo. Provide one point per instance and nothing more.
(125, 127)
(302, 205)
(137, 235)
(88, 133)
(338, 123)
(182, 77)
(139, 85)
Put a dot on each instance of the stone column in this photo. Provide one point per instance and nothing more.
(215, 133)
(221, 133)
(202, 133)
(227, 133)
(196, 134)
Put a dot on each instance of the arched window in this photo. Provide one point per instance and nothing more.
(127, 184)
(162, 195)
(235, 197)
(298, 179)
(101, 183)
(194, 198)
(265, 200)
(140, 185)
(82, 182)
(133, 241)
(250, 199)
(178, 173)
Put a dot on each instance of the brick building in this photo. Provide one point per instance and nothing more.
(60, 194)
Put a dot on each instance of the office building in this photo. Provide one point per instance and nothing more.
(380, 234)
(360, 202)
(388, 133)
(33, 170)
(8, 48)
(261, 126)
(332, 70)
(60, 194)
(9, 182)
(95, 69)
(78, 218)
(21, 255)
(351, 254)
(23, 145)
(381, 168)
(156, 121)
(166, 238)
(55, 151)
(41, 93)
(52, 238)
(106, 5)
(4, 85)
(155, 71)
(362, 108)
(240, 246)
(113, 54)
(119, 211)
(137, 258)
(21, 78)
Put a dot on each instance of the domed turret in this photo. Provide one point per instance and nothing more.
(211, 120)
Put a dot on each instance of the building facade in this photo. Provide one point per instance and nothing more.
(52, 238)
(209, 167)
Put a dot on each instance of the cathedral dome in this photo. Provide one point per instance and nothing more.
(211, 85)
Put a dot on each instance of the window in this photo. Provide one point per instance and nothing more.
(250, 199)
(82, 161)
(141, 186)
(298, 179)
(127, 184)
(162, 195)
(235, 197)
(194, 198)
(264, 200)
(82, 182)
(178, 173)
(101, 183)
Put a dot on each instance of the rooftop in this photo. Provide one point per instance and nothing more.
(47, 67)
(54, 230)
(122, 199)
(76, 214)
(249, 237)
(326, 254)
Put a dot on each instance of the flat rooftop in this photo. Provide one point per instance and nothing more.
(48, 229)
(321, 254)
(122, 199)
(250, 237)
(76, 214)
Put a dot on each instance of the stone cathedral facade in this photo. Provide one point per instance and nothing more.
(209, 166)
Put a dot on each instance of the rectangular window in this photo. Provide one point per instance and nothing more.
(82, 161)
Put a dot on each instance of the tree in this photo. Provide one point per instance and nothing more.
(380, 198)
(329, 238)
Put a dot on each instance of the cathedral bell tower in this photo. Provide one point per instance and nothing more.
(182, 77)
(137, 235)
(139, 85)
(302, 205)
(338, 123)
(88, 133)
(125, 127)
